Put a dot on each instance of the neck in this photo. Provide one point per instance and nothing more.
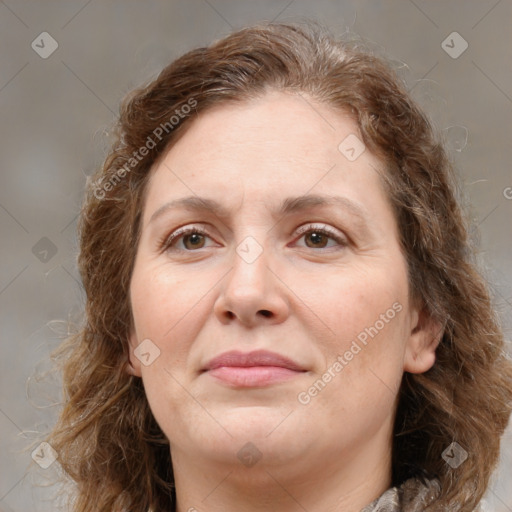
(327, 482)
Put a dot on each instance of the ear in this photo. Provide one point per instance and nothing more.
(133, 365)
(424, 338)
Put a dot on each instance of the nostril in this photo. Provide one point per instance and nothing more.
(265, 312)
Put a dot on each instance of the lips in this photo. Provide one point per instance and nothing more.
(256, 358)
(252, 369)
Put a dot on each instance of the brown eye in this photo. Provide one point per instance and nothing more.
(319, 238)
(190, 239)
(196, 241)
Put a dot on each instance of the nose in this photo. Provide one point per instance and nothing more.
(252, 294)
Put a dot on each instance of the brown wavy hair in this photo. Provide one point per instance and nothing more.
(106, 437)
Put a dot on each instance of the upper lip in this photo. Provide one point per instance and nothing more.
(255, 358)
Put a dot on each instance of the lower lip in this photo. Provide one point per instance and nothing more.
(253, 376)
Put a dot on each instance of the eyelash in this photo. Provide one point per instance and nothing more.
(166, 241)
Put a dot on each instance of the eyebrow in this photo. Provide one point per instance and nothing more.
(288, 206)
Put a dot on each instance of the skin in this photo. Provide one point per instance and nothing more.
(302, 298)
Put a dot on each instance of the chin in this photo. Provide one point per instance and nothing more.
(268, 433)
(257, 421)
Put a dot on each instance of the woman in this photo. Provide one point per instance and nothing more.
(282, 310)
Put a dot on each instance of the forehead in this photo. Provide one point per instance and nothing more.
(276, 124)
(277, 145)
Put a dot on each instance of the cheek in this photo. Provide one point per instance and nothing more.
(165, 309)
(363, 321)
(165, 304)
(356, 304)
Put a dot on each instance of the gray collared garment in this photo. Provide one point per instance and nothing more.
(410, 496)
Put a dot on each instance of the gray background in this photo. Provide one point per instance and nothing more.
(55, 111)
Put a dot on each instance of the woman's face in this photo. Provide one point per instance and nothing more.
(277, 328)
